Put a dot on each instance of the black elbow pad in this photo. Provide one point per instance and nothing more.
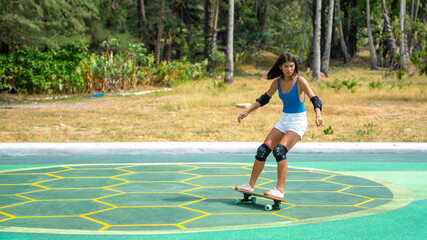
(316, 102)
(263, 99)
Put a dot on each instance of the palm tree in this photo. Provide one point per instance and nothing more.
(390, 43)
(159, 32)
(327, 51)
(214, 33)
(316, 39)
(342, 40)
(301, 53)
(229, 55)
(208, 21)
(142, 19)
(374, 61)
(402, 50)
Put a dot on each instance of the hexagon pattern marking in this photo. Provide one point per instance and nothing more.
(150, 197)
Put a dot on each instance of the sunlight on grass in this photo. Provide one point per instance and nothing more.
(359, 105)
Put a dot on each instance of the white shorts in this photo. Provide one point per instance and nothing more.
(295, 122)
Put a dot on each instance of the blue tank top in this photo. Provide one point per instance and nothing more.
(291, 101)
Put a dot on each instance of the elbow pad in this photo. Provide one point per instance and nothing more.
(316, 102)
(263, 99)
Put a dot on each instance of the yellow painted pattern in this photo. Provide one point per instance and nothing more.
(188, 169)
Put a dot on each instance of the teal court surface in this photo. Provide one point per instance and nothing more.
(188, 196)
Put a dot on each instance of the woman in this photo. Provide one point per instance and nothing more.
(292, 124)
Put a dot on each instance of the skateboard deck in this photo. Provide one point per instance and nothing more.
(249, 197)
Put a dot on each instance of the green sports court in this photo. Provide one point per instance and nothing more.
(329, 195)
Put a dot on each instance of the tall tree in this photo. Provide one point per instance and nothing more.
(352, 17)
(421, 36)
(374, 61)
(402, 50)
(214, 34)
(142, 19)
(342, 39)
(229, 68)
(316, 40)
(263, 23)
(302, 51)
(414, 17)
(208, 21)
(159, 31)
(390, 43)
(327, 50)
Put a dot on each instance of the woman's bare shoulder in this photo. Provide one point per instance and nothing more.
(303, 81)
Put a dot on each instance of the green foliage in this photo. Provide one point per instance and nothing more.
(31, 71)
(349, 83)
(335, 84)
(419, 59)
(183, 71)
(284, 26)
(114, 69)
(219, 84)
(374, 85)
(73, 70)
(218, 59)
(400, 84)
(328, 131)
(366, 131)
(42, 23)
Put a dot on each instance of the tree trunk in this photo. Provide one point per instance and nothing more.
(402, 49)
(390, 43)
(416, 11)
(374, 61)
(142, 20)
(262, 27)
(208, 21)
(214, 33)
(323, 30)
(255, 29)
(352, 34)
(327, 50)
(302, 51)
(159, 32)
(411, 37)
(342, 40)
(316, 40)
(417, 46)
(229, 56)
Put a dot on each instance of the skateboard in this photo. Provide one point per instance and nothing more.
(249, 197)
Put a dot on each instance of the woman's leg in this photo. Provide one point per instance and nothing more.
(289, 140)
(271, 141)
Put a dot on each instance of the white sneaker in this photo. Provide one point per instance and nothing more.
(245, 187)
(275, 194)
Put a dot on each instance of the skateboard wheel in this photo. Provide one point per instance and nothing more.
(268, 207)
(237, 201)
(253, 200)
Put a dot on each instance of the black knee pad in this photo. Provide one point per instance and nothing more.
(262, 152)
(279, 152)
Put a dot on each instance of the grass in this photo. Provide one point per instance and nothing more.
(368, 107)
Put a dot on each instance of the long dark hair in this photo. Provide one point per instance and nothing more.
(275, 71)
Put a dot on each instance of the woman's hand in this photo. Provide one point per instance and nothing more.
(241, 116)
(319, 121)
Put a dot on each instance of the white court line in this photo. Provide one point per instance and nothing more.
(136, 148)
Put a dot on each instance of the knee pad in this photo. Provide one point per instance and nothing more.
(279, 152)
(262, 152)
